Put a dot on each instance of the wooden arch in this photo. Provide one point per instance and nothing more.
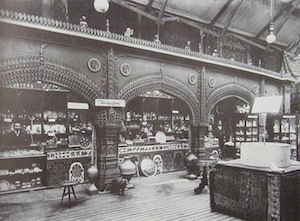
(164, 83)
(30, 69)
(227, 91)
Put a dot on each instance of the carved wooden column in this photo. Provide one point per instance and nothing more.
(198, 130)
(108, 121)
(107, 147)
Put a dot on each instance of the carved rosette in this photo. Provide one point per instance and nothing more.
(165, 83)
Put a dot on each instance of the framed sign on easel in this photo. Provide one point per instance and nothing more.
(265, 105)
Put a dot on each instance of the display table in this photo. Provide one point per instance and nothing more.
(255, 193)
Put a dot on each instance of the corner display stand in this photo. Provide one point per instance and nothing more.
(264, 105)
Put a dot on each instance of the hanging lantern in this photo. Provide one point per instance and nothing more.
(101, 5)
(271, 38)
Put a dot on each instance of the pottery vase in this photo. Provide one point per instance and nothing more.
(127, 168)
(93, 175)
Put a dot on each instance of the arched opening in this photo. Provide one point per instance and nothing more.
(158, 129)
(227, 126)
(43, 123)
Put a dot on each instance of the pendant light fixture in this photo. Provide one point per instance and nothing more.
(271, 38)
(101, 5)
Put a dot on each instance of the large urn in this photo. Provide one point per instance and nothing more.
(191, 164)
(93, 175)
(127, 168)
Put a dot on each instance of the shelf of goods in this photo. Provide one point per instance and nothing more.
(284, 130)
(22, 169)
(247, 128)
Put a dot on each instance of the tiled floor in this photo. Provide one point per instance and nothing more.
(168, 196)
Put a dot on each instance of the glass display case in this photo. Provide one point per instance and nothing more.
(284, 129)
(247, 128)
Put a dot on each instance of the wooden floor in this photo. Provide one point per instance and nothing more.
(164, 197)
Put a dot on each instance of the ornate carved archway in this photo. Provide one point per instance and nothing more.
(227, 91)
(30, 69)
(164, 83)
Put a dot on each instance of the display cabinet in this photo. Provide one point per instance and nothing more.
(284, 129)
(247, 128)
(22, 168)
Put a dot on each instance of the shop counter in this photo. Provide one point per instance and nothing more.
(169, 156)
(69, 164)
(255, 193)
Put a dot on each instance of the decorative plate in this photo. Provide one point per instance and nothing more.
(148, 167)
(4, 185)
(160, 137)
(85, 142)
(158, 161)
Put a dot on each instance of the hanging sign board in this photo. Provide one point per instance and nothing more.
(269, 104)
(78, 106)
(110, 103)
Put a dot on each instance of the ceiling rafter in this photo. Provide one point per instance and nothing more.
(223, 9)
(134, 9)
(173, 18)
(196, 22)
(148, 6)
(197, 26)
(231, 15)
(161, 12)
(286, 17)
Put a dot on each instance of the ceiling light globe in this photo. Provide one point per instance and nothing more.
(101, 5)
(285, 1)
(271, 38)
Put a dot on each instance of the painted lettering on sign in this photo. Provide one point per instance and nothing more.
(109, 103)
